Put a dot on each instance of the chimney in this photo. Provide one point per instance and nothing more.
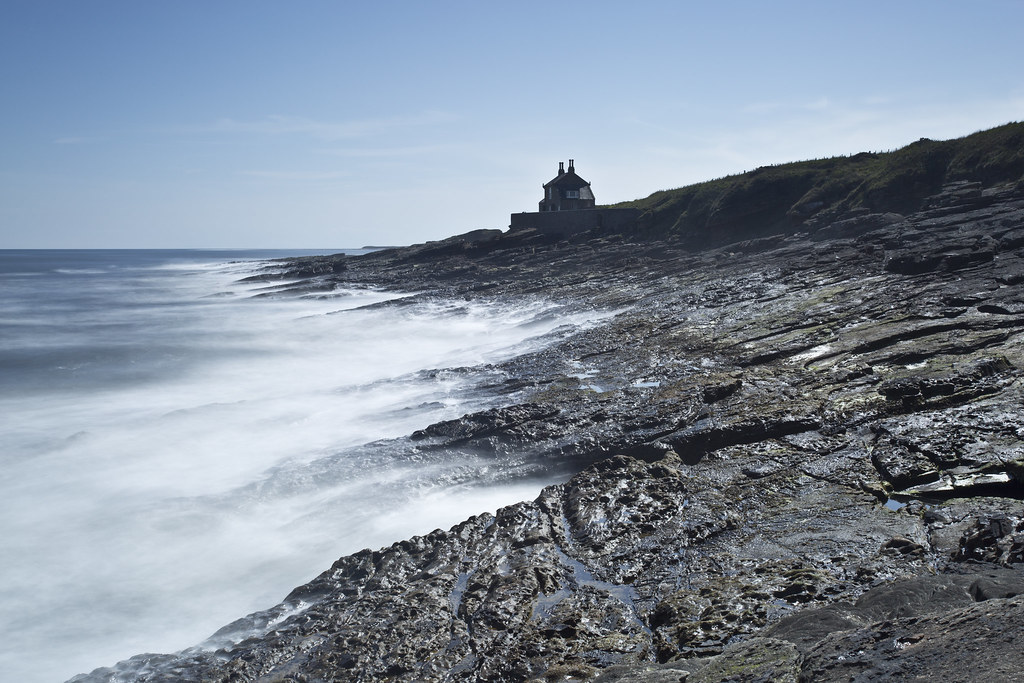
(571, 168)
(561, 167)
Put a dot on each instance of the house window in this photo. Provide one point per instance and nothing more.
(572, 194)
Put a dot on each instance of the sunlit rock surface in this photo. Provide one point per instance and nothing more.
(799, 457)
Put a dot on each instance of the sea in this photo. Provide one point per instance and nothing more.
(181, 447)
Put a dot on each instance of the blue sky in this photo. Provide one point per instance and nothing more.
(315, 124)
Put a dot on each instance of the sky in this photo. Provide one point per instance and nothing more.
(316, 124)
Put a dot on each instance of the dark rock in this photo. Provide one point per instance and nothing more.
(999, 540)
(974, 643)
(913, 263)
(916, 597)
(995, 585)
(856, 226)
(797, 457)
(901, 467)
(717, 392)
(496, 421)
(808, 626)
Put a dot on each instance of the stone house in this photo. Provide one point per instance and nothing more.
(567, 191)
(568, 208)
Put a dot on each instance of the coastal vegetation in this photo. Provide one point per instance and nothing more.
(780, 198)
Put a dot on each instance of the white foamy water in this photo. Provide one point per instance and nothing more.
(177, 452)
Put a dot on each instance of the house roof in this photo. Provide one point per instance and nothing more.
(568, 180)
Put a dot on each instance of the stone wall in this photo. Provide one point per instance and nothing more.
(571, 222)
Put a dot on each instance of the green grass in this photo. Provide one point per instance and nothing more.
(779, 198)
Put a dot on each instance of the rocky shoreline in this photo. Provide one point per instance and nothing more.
(796, 457)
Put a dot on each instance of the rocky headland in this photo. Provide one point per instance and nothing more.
(797, 448)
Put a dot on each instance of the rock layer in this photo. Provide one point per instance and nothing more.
(797, 458)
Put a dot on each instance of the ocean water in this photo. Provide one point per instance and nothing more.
(178, 451)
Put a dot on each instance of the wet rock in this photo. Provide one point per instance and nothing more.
(498, 421)
(717, 392)
(948, 645)
(997, 539)
(795, 457)
(756, 659)
(856, 226)
(914, 263)
(901, 467)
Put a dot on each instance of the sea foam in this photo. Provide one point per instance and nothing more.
(181, 452)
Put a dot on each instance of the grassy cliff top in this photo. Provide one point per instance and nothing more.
(774, 199)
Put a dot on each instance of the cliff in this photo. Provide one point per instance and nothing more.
(797, 456)
(784, 198)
